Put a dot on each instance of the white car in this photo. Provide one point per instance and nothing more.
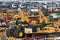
(2, 23)
(54, 15)
(14, 6)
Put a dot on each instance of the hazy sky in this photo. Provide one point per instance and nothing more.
(27, 0)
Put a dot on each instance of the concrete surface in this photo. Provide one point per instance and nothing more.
(4, 37)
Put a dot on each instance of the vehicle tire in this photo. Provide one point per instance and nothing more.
(8, 33)
(19, 33)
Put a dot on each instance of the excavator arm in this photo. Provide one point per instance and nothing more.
(42, 17)
(46, 19)
(22, 16)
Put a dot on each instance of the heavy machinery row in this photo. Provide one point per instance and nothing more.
(29, 21)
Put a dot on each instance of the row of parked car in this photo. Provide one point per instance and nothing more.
(48, 5)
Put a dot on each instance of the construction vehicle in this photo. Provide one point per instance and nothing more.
(21, 15)
(3, 24)
(5, 17)
(23, 26)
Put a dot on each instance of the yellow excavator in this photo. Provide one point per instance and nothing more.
(43, 23)
(23, 26)
(21, 15)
